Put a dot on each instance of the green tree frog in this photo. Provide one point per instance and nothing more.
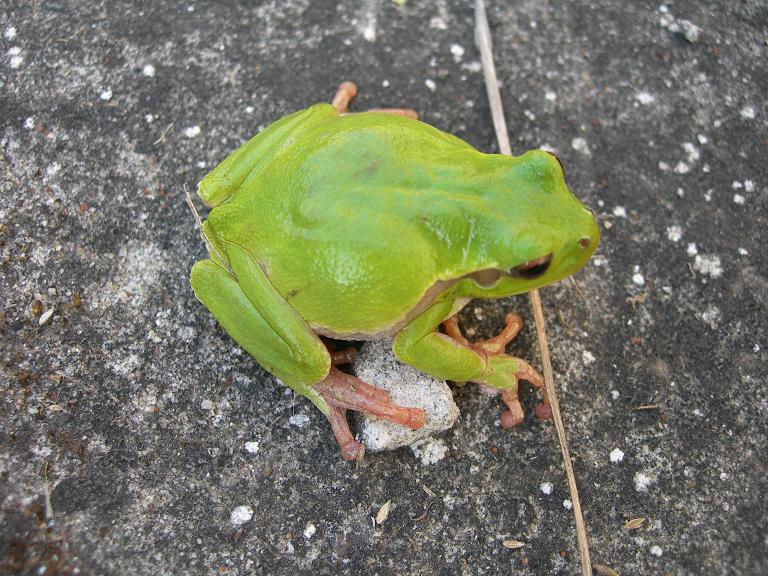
(360, 226)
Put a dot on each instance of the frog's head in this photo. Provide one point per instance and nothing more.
(540, 232)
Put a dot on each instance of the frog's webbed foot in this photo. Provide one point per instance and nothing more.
(493, 350)
(344, 392)
(348, 90)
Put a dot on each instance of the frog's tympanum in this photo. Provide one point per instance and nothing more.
(359, 226)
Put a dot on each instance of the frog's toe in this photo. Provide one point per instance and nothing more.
(343, 390)
(350, 448)
(514, 415)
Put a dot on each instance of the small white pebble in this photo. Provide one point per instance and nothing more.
(10, 33)
(546, 488)
(252, 447)
(149, 118)
(45, 316)
(429, 83)
(748, 112)
(567, 504)
(749, 186)
(743, 252)
(106, 95)
(551, 96)
(656, 550)
(29, 123)
(615, 394)
(617, 455)
(148, 70)
(299, 420)
(580, 145)
(702, 139)
(385, 83)
(458, 51)
(638, 279)
(680, 192)
(645, 98)
(620, 212)
(739, 199)
(587, 357)
(241, 515)
(192, 131)
(736, 185)
(692, 250)
(675, 233)
(249, 109)
(663, 166)
(310, 530)
(682, 168)
(16, 61)
(369, 33)
(708, 264)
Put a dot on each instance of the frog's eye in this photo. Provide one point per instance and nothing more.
(534, 268)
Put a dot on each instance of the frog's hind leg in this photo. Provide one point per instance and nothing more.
(348, 90)
(523, 371)
(250, 309)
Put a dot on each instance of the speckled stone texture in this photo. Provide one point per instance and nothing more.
(131, 410)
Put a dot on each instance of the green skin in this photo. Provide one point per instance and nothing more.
(369, 225)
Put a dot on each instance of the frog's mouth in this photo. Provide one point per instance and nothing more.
(533, 268)
(527, 270)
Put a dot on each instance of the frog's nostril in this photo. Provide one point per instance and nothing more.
(534, 268)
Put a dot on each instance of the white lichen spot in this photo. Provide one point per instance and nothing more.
(743, 252)
(580, 145)
(691, 151)
(617, 455)
(739, 199)
(682, 168)
(299, 420)
(615, 394)
(708, 264)
(638, 279)
(206, 404)
(675, 233)
(748, 113)
(749, 186)
(192, 131)
(643, 481)
(587, 357)
(252, 447)
(148, 70)
(10, 33)
(692, 249)
(656, 550)
(546, 488)
(551, 96)
(29, 123)
(438, 23)
(620, 212)
(711, 316)
(567, 504)
(702, 139)
(663, 166)
(149, 118)
(645, 98)
(249, 109)
(429, 83)
(429, 450)
(310, 530)
(737, 185)
(106, 95)
(241, 515)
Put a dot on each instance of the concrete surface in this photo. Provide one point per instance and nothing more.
(145, 429)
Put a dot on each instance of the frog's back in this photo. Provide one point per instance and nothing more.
(342, 217)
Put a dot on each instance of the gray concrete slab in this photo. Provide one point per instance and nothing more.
(147, 427)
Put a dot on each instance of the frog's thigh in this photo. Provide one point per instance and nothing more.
(264, 324)
(420, 345)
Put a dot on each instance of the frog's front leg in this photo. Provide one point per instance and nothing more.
(451, 357)
(250, 309)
